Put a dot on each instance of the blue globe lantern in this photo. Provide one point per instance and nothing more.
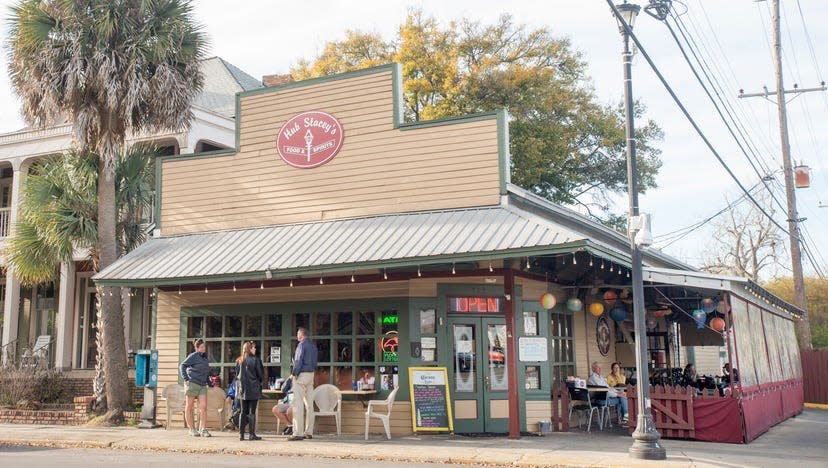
(574, 304)
(700, 316)
(618, 313)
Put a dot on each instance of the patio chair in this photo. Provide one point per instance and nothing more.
(385, 418)
(173, 394)
(580, 402)
(216, 403)
(326, 400)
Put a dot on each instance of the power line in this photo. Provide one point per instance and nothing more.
(689, 117)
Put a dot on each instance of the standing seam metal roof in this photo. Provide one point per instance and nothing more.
(334, 243)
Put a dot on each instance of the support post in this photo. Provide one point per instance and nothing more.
(66, 307)
(790, 190)
(11, 306)
(511, 351)
(645, 437)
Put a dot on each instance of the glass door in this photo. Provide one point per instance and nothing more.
(478, 373)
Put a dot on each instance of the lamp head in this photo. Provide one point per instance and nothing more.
(629, 11)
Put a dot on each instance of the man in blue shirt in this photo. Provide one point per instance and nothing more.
(304, 367)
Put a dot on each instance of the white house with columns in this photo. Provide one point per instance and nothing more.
(62, 313)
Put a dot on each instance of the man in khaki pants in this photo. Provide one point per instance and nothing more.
(304, 367)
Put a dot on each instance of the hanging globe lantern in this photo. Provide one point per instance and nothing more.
(658, 313)
(548, 301)
(596, 309)
(610, 297)
(618, 313)
(718, 324)
(722, 307)
(574, 304)
(700, 316)
(708, 305)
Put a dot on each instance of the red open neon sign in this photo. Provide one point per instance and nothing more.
(474, 305)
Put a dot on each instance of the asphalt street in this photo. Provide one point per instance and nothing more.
(37, 457)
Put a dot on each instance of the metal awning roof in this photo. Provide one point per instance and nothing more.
(710, 281)
(345, 245)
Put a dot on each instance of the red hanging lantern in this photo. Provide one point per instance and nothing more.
(802, 176)
(718, 324)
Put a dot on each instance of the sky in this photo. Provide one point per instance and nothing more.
(266, 36)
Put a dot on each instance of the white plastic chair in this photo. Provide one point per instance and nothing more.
(385, 418)
(216, 403)
(328, 399)
(173, 394)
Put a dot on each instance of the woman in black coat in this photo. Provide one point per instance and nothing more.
(249, 376)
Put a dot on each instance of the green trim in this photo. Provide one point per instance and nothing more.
(350, 267)
(154, 319)
(448, 120)
(504, 158)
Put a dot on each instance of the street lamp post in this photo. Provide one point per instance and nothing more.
(645, 438)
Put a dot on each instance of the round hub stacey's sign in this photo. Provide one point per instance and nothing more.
(309, 139)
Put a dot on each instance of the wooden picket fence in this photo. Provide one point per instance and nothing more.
(560, 407)
(672, 409)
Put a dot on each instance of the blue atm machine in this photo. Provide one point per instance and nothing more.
(146, 375)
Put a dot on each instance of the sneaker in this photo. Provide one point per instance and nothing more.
(295, 438)
(204, 433)
(194, 433)
(308, 436)
(288, 430)
(255, 437)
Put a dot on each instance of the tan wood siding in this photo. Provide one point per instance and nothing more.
(379, 169)
(586, 346)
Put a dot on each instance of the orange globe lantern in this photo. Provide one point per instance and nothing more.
(596, 309)
(548, 301)
(718, 324)
(658, 313)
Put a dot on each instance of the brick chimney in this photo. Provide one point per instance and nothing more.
(276, 80)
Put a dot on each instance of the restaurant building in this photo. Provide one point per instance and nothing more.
(399, 245)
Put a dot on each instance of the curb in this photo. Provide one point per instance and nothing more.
(817, 406)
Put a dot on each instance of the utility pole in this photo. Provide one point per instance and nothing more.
(790, 191)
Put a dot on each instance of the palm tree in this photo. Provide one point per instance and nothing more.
(114, 68)
(58, 216)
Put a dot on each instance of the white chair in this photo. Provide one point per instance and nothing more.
(173, 394)
(328, 399)
(385, 418)
(216, 403)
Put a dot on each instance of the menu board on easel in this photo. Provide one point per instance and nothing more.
(430, 399)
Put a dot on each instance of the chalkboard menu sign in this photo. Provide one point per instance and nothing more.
(430, 399)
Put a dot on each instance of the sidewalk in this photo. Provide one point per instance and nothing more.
(801, 439)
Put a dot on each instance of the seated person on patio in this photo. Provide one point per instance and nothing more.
(283, 411)
(728, 373)
(616, 378)
(614, 397)
(690, 375)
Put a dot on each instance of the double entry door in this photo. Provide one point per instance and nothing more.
(478, 373)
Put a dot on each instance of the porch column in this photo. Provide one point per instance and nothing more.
(65, 318)
(11, 306)
(511, 351)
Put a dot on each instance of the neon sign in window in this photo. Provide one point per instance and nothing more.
(475, 305)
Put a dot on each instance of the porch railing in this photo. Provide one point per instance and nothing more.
(5, 218)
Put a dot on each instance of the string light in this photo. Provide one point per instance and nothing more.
(291, 282)
(574, 260)
(590, 260)
(419, 273)
(490, 267)
(528, 266)
(179, 289)
(628, 273)
(453, 271)
(611, 267)
(321, 280)
(234, 286)
(602, 264)
(205, 288)
(352, 278)
(384, 273)
(261, 285)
